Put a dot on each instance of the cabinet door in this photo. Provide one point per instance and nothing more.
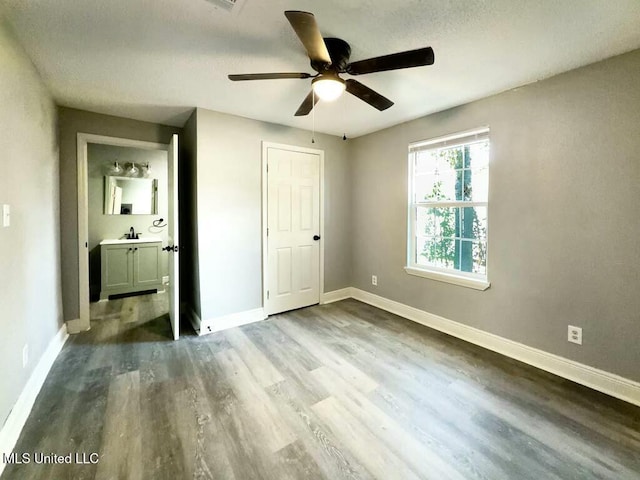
(147, 264)
(117, 266)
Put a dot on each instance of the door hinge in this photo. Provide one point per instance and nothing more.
(267, 294)
(267, 231)
(267, 168)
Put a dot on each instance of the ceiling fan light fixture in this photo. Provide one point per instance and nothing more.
(328, 87)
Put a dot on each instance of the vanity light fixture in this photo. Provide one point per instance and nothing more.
(116, 169)
(132, 170)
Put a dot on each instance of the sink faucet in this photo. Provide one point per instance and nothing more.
(132, 234)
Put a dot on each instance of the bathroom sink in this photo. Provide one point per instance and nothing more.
(115, 241)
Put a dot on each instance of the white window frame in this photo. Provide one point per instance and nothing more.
(448, 275)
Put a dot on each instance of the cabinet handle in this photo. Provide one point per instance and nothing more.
(130, 248)
(136, 248)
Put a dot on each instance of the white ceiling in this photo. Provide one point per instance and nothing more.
(155, 60)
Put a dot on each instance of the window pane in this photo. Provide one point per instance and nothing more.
(426, 161)
(462, 255)
(479, 182)
(458, 173)
(435, 251)
(473, 223)
(437, 222)
(453, 237)
(435, 186)
(480, 257)
(478, 155)
(464, 185)
(451, 158)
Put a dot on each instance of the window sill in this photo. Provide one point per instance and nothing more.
(474, 283)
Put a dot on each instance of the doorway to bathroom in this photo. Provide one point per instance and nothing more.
(128, 225)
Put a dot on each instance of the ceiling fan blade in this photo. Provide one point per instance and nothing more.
(266, 76)
(305, 26)
(395, 61)
(364, 93)
(307, 105)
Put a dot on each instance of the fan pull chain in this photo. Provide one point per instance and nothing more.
(313, 116)
(344, 115)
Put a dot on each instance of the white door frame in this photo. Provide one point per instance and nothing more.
(265, 256)
(83, 323)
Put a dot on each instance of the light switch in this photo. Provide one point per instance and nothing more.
(6, 215)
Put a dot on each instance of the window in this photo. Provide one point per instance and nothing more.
(448, 203)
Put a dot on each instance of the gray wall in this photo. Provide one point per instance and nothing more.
(564, 235)
(70, 123)
(229, 173)
(101, 226)
(188, 208)
(30, 294)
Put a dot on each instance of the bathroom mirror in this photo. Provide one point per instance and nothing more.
(130, 196)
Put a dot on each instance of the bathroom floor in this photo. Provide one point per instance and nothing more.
(130, 310)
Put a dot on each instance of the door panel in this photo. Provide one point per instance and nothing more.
(293, 218)
(284, 208)
(285, 271)
(174, 258)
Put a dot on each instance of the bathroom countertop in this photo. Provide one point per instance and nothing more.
(115, 241)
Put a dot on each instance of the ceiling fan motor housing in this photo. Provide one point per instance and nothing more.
(339, 51)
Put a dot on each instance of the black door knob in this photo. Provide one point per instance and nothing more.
(316, 237)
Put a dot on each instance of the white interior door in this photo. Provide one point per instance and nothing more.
(293, 229)
(174, 258)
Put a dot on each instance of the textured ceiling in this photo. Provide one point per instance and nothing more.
(155, 60)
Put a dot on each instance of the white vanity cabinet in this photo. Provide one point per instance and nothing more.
(130, 266)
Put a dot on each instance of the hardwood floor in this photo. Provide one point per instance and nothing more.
(339, 391)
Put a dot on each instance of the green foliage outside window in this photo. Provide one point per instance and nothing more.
(456, 236)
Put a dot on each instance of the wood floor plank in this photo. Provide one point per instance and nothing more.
(298, 463)
(130, 310)
(276, 434)
(569, 447)
(162, 454)
(422, 460)
(339, 391)
(327, 356)
(335, 461)
(121, 452)
(380, 461)
(262, 369)
(208, 448)
(278, 348)
(455, 440)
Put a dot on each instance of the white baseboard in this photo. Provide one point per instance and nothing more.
(605, 382)
(22, 408)
(336, 295)
(225, 322)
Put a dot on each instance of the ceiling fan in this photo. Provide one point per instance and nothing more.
(330, 57)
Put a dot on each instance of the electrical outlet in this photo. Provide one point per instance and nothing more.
(25, 355)
(374, 280)
(575, 335)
